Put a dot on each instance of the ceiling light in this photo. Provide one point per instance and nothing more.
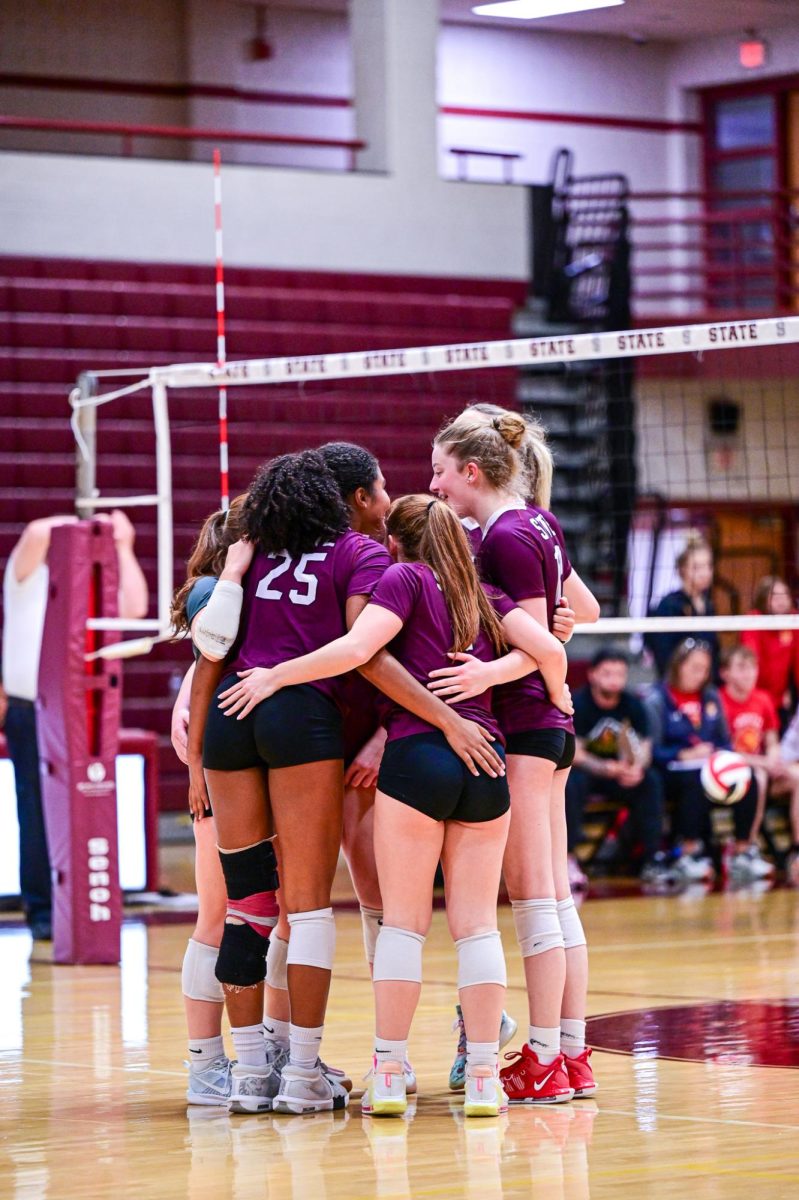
(529, 10)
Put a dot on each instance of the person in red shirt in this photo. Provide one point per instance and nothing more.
(776, 650)
(753, 724)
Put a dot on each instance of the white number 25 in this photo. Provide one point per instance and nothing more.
(267, 592)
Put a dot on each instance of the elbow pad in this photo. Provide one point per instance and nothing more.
(217, 626)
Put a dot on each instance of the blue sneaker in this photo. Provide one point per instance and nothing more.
(457, 1076)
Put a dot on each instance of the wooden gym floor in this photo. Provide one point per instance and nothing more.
(696, 1060)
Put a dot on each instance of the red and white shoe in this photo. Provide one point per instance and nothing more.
(581, 1074)
(527, 1081)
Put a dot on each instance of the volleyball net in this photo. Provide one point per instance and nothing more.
(656, 432)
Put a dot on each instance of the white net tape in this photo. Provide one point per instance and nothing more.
(518, 352)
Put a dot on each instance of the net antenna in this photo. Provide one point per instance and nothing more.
(221, 351)
(519, 352)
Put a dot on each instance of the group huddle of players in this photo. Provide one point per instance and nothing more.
(388, 678)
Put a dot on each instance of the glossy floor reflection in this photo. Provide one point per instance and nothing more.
(92, 1083)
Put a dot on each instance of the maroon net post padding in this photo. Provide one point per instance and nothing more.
(78, 728)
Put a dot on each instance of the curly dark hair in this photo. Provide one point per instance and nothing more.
(294, 503)
(352, 466)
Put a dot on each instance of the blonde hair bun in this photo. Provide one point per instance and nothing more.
(511, 427)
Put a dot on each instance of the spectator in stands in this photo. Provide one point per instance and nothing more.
(613, 758)
(25, 587)
(788, 782)
(695, 567)
(687, 726)
(777, 650)
(754, 733)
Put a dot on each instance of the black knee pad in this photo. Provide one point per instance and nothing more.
(242, 956)
(250, 871)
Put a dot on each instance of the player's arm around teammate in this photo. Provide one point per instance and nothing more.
(484, 465)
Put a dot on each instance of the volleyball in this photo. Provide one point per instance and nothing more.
(726, 777)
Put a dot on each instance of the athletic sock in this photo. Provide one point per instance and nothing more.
(205, 1050)
(572, 1037)
(545, 1042)
(482, 1054)
(248, 1042)
(387, 1050)
(304, 1045)
(276, 1031)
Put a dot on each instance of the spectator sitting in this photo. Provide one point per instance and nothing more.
(785, 781)
(25, 589)
(613, 758)
(777, 650)
(687, 726)
(754, 732)
(695, 567)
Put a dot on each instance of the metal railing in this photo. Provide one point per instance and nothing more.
(708, 251)
(124, 135)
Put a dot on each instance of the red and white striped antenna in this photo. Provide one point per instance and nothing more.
(221, 354)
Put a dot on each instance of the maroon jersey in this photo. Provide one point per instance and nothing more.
(411, 592)
(294, 604)
(524, 554)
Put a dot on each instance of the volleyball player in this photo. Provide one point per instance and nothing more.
(562, 627)
(477, 467)
(362, 486)
(428, 605)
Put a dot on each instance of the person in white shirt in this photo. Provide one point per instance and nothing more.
(25, 588)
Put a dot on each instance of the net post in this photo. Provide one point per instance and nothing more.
(86, 440)
(163, 468)
(78, 718)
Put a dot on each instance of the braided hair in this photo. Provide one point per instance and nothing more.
(293, 504)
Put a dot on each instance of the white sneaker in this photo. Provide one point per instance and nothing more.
(484, 1096)
(308, 1090)
(211, 1083)
(692, 868)
(410, 1079)
(385, 1094)
(253, 1088)
(749, 865)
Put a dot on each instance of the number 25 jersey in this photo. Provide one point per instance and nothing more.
(523, 553)
(294, 604)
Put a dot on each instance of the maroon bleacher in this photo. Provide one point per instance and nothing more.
(59, 317)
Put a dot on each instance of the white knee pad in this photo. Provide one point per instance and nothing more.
(198, 980)
(570, 923)
(398, 955)
(537, 926)
(276, 974)
(480, 960)
(372, 920)
(313, 939)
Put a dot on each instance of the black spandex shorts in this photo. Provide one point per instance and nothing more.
(556, 745)
(423, 772)
(297, 725)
